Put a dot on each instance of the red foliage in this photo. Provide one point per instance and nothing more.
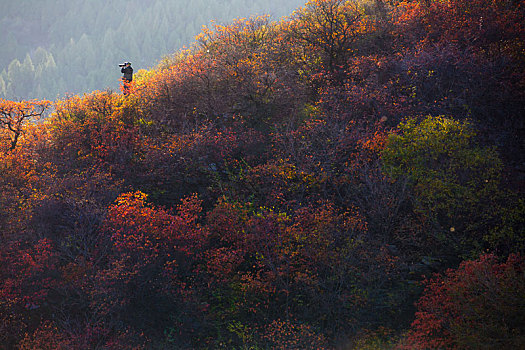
(154, 256)
(28, 274)
(48, 336)
(481, 304)
(487, 24)
(144, 235)
(28, 278)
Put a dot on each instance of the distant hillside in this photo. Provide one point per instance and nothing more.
(51, 48)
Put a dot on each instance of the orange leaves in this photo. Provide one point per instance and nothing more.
(47, 335)
(96, 130)
(239, 69)
(223, 263)
(11, 110)
(291, 334)
(329, 29)
(14, 114)
(480, 23)
(407, 11)
(240, 34)
(135, 226)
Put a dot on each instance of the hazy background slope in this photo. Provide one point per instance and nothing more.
(53, 47)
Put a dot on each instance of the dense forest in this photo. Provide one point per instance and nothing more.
(348, 177)
(51, 48)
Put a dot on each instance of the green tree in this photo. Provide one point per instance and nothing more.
(47, 77)
(2, 85)
(455, 181)
(20, 76)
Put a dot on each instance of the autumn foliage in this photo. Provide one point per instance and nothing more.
(350, 176)
(13, 116)
(478, 305)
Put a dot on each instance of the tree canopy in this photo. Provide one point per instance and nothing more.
(350, 176)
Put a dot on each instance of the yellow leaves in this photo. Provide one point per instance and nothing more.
(14, 114)
(329, 30)
(135, 198)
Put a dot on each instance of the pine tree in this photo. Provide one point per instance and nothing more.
(2, 86)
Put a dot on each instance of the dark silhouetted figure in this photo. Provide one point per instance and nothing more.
(127, 77)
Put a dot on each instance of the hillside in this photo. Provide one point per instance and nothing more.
(348, 177)
(52, 48)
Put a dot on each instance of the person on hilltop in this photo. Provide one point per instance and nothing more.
(127, 78)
